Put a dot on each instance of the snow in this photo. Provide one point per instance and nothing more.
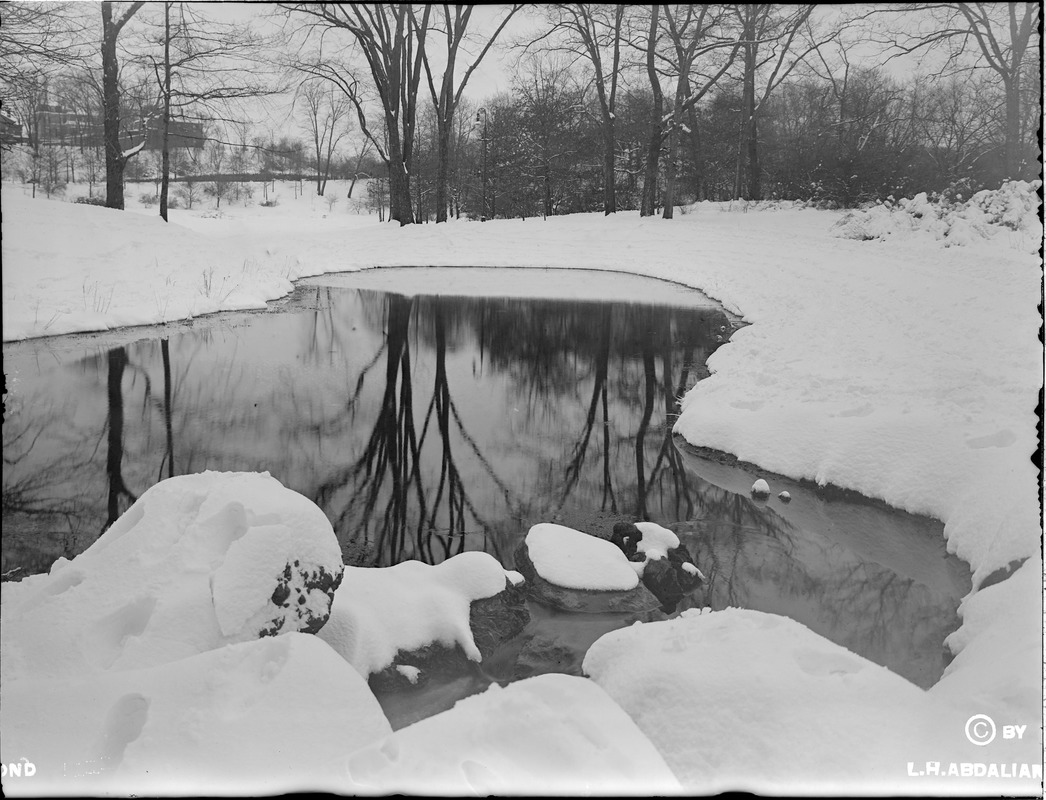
(956, 223)
(902, 368)
(656, 541)
(735, 699)
(760, 487)
(547, 735)
(378, 611)
(575, 560)
(261, 717)
(408, 672)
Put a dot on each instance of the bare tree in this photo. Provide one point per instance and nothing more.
(36, 38)
(206, 67)
(653, 154)
(326, 113)
(391, 42)
(693, 32)
(115, 156)
(1002, 37)
(446, 99)
(592, 32)
(769, 36)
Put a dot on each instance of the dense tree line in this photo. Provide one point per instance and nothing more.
(611, 107)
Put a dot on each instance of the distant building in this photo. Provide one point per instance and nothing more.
(56, 125)
(10, 130)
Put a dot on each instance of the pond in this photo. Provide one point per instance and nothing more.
(452, 417)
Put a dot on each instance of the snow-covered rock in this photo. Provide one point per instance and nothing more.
(575, 560)
(551, 734)
(663, 563)
(578, 572)
(784, 497)
(199, 561)
(383, 616)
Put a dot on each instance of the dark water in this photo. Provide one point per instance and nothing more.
(424, 426)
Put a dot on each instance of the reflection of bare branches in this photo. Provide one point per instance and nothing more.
(599, 383)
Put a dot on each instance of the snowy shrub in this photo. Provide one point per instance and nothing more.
(90, 201)
(950, 219)
(270, 203)
(148, 199)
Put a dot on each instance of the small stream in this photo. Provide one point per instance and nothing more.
(454, 418)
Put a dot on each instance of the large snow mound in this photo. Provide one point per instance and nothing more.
(575, 560)
(734, 699)
(199, 561)
(379, 611)
(256, 718)
(547, 735)
(1013, 208)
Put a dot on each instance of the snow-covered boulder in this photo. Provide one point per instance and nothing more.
(733, 699)
(264, 717)
(578, 572)
(551, 734)
(664, 564)
(199, 561)
(425, 616)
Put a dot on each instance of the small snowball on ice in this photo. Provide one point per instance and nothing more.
(760, 488)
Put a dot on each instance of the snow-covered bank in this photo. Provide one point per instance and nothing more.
(904, 370)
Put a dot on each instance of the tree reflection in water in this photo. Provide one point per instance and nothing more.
(490, 415)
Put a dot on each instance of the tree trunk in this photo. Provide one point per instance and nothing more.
(653, 152)
(755, 188)
(165, 168)
(670, 166)
(751, 140)
(399, 178)
(609, 195)
(114, 161)
(442, 168)
(547, 181)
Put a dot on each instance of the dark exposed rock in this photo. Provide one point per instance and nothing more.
(299, 616)
(590, 601)
(627, 537)
(495, 619)
(666, 578)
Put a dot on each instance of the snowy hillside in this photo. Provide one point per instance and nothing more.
(896, 366)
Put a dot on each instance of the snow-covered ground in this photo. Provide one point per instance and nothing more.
(902, 368)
